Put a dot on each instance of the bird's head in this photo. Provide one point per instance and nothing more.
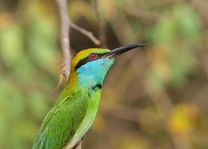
(91, 65)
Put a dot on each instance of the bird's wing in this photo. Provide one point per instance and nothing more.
(62, 121)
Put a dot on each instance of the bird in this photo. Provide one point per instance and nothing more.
(74, 111)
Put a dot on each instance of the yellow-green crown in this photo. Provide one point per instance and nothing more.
(84, 53)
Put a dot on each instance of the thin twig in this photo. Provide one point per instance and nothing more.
(65, 38)
(86, 33)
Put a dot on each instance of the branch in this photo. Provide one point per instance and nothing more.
(65, 38)
(86, 33)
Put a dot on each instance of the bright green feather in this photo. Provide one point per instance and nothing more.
(75, 110)
(62, 121)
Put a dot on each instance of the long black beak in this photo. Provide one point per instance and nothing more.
(123, 49)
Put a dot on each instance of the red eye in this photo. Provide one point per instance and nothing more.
(92, 56)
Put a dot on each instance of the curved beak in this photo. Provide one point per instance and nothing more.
(123, 49)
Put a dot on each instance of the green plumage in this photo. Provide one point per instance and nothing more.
(64, 119)
(75, 110)
(66, 115)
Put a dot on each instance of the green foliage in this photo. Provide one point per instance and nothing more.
(175, 37)
(42, 42)
(12, 43)
(151, 99)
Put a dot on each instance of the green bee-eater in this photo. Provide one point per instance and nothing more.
(75, 110)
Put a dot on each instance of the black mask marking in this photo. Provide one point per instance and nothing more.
(87, 59)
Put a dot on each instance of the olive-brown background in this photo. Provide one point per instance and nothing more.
(152, 98)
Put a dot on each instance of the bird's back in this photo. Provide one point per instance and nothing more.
(62, 121)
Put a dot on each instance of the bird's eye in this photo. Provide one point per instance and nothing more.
(92, 56)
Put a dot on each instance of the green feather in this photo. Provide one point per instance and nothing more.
(62, 121)
(75, 110)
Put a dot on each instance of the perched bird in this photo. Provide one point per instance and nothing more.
(75, 109)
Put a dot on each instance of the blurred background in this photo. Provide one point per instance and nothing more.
(152, 98)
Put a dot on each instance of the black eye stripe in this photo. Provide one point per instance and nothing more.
(86, 59)
(81, 62)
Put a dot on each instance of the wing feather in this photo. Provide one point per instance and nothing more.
(62, 121)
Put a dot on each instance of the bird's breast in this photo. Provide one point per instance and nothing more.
(89, 118)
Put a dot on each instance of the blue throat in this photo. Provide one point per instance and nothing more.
(92, 74)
